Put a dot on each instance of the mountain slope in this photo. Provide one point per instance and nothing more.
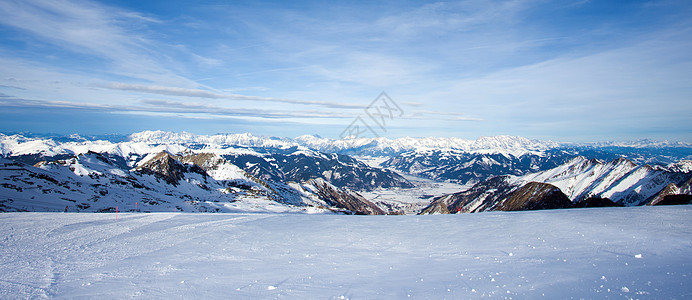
(91, 182)
(481, 197)
(619, 180)
(163, 182)
(300, 165)
(265, 158)
(464, 168)
(350, 201)
(283, 171)
(535, 196)
(582, 180)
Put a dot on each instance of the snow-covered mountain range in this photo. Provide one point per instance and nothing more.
(581, 182)
(381, 146)
(189, 176)
(243, 172)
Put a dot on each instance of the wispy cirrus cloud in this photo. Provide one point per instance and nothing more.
(168, 106)
(185, 107)
(209, 111)
(453, 16)
(521, 67)
(440, 115)
(175, 91)
(96, 30)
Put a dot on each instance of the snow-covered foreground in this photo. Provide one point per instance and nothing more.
(641, 252)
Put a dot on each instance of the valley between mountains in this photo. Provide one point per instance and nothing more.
(156, 171)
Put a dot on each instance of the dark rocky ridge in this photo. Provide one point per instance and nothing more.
(498, 194)
(680, 199)
(535, 196)
(167, 167)
(464, 167)
(673, 195)
(300, 166)
(172, 169)
(670, 189)
(595, 202)
(480, 197)
(350, 201)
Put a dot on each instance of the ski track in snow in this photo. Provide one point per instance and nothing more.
(640, 252)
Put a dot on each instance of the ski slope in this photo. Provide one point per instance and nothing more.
(639, 252)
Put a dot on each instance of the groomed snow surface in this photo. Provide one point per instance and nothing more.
(639, 252)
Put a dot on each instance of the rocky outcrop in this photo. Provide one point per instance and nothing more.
(594, 202)
(686, 188)
(435, 208)
(670, 189)
(498, 193)
(481, 197)
(463, 167)
(352, 202)
(302, 165)
(673, 195)
(535, 196)
(168, 168)
(679, 199)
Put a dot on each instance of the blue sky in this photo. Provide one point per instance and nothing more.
(559, 70)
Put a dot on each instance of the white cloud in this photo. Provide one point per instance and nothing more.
(175, 91)
(92, 29)
(444, 17)
(175, 107)
(638, 85)
(451, 61)
(439, 115)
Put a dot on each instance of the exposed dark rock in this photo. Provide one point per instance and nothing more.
(204, 160)
(535, 196)
(436, 207)
(686, 188)
(482, 196)
(595, 202)
(165, 166)
(670, 189)
(351, 201)
(462, 167)
(675, 200)
(302, 165)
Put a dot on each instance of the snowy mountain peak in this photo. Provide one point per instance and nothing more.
(621, 162)
(644, 143)
(17, 144)
(512, 142)
(167, 167)
(684, 166)
(510, 145)
(161, 137)
(185, 138)
(580, 159)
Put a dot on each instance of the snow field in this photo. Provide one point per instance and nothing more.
(640, 252)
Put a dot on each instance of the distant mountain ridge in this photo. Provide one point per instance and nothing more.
(185, 176)
(579, 181)
(449, 159)
(92, 182)
(232, 172)
(504, 145)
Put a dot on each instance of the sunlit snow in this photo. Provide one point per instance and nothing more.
(640, 252)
